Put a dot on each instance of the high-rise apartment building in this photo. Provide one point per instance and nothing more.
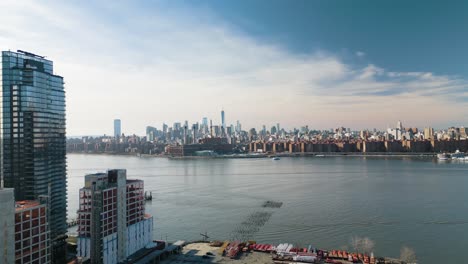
(117, 128)
(32, 133)
(112, 224)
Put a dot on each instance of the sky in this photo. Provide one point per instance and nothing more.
(325, 64)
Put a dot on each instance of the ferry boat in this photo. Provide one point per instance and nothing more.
(458, 155)
(443, 156)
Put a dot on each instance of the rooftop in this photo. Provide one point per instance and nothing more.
(22, 205)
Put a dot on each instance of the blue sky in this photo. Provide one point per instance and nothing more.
(432, 34)
(358, 64)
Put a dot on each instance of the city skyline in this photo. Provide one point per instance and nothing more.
(254, 67)
(260, 126)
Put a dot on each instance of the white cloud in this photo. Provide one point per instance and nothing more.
(360, 54)
(169, 64)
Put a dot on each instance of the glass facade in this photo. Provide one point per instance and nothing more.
(117, 128)
(32, 129)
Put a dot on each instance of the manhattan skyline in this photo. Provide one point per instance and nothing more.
(361, 66)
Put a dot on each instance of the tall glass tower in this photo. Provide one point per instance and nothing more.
(223, 121)
(32, 135)
(117, 128)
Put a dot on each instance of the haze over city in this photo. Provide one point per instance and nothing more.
(314, 63)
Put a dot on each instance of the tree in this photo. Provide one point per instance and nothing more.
(367, 245)
(408, 255)
(362, 244)
(356, 243)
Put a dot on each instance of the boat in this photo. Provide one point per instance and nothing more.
(443, 156)
(457, 155)
(275, 158)
(305, 258)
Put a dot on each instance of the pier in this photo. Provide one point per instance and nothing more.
(148, 196)
(72, 223)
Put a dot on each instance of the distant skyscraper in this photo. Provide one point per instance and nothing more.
(273, 130)
(428, 133)
(211, 128)
(238, 127)
(151, 133)
(195, 128)
(463, 132)
(117, 128)
(33, 136)
(177, 126)
(205, 121)
(278, 127)
(223, 122)
(399, 125)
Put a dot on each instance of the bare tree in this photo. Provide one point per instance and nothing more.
(367, 245)
(356, 243)
(408, 255)
(362, 244)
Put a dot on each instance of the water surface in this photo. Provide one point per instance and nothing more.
(420, 203)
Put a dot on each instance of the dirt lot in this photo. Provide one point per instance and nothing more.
(192, 253)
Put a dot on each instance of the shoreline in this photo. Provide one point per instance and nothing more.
(270, 155)
(206, 252)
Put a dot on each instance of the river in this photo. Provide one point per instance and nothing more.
(414, 202)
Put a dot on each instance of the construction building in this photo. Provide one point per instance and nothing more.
(112, 224)
(7, 222)
(32, 233)
(25, 230)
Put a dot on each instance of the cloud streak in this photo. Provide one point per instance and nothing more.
(168, 63)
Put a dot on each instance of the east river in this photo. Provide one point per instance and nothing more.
(414, 202)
